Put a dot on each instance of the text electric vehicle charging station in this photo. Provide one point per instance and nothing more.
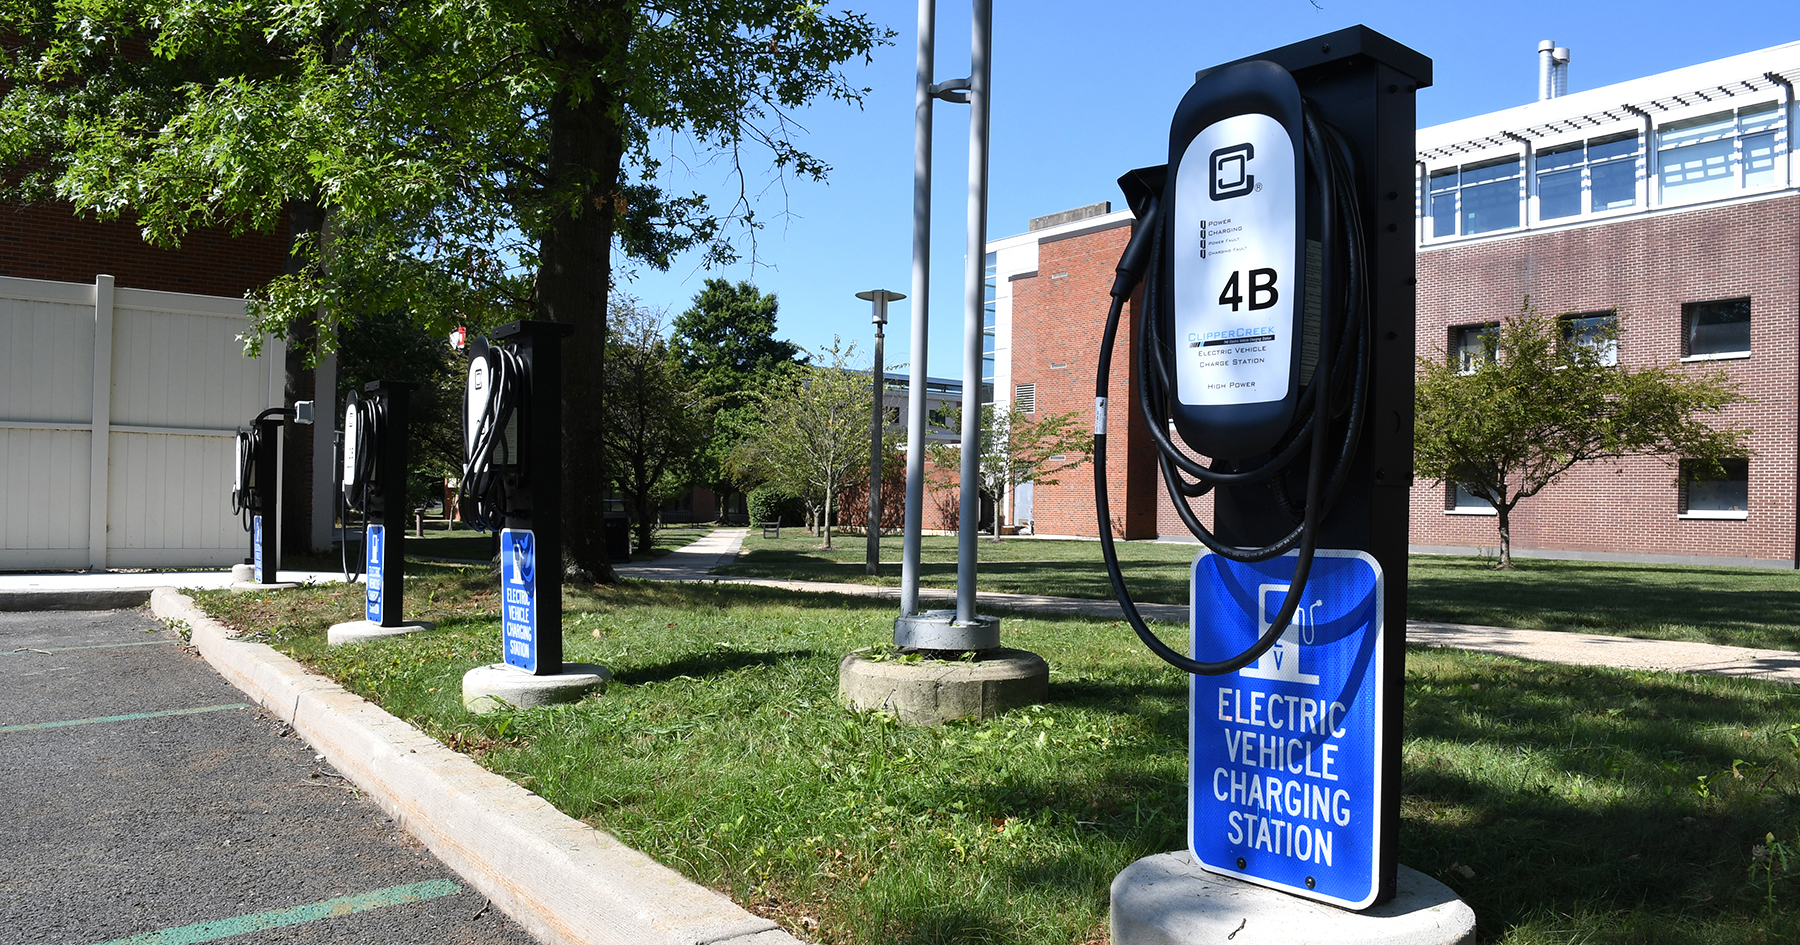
(373, 484)
(512, 483)
(256, 488)
(1274, 340)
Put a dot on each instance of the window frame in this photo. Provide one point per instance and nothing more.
(1771, 120)
(1461, 170)
(1454, 346)
(1585, 169)
(1689, 309)
(1566, 324)
(1453, 504)
(1685, 470)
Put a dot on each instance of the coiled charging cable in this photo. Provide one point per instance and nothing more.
(1346, 365)
(487, 453)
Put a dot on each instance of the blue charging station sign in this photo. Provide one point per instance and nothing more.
(256, 548)
(1285, 754)
(374, 572)
(518, 591)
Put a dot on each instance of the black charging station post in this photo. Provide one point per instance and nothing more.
(257, 491)
(1290, 180)
(376, 435)
(514, 438)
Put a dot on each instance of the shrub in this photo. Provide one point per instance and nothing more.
(768, 504)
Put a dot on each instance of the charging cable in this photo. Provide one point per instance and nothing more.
(490, 433)
(1338, 386)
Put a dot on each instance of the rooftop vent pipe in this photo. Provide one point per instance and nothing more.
(1553, 70)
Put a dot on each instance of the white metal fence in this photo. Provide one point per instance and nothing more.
(117, 409)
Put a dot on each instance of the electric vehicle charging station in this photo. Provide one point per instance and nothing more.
(373, 483)
(256, 492)
(512, 484)
(1274, 338)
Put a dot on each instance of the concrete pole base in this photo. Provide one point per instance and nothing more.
(498, 686)
(1168, 899)
(242, 573)
(356, 631)
(940, 630)
(930, 691)
(252, 586)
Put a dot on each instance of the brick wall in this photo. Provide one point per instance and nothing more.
(1645, 268)
(50, 242)
(1058, 316)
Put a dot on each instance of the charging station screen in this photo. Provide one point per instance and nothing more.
(1285, 780)
(375, 573)
(1234, 266)
(518, 591)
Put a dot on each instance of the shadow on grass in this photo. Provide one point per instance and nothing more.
(701, 665)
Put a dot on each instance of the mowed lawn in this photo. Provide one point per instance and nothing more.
(1754, 607)
(1564, 804)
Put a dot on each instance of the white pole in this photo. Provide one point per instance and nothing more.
(921, 311)
(974, 301)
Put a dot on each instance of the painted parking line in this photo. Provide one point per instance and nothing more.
(125, 718)
(91, 646)
(276, 918)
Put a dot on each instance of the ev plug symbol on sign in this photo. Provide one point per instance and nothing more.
(1282, 661)
(1231, 175)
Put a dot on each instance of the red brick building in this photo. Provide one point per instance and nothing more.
(1669, 203)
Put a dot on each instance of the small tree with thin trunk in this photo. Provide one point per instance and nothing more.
(1539, 399)
(814, 436)
(1016, 449)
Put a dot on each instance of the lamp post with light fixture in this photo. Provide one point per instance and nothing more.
(878, 300)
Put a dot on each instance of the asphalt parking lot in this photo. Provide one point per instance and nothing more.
(143, 802)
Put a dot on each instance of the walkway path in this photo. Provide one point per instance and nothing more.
(1551, 646)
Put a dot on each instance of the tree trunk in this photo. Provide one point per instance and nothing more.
(305, 217)
(585, 149)
(825, 519)
(1505, 521)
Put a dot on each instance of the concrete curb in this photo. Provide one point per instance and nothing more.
(98, 599)
(563, 881)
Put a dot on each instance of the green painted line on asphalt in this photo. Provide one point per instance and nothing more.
(276, 918)
(124, 718)
(91, 646)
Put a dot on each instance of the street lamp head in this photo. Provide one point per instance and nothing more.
(881, 297)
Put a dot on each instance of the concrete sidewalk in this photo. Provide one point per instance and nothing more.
(690, 562)
(1547, 646)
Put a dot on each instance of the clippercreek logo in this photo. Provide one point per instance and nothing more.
(1231, 175)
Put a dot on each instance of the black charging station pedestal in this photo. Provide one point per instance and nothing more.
(261, 485)
(384, 537)
(531, 565)
(1261, 854)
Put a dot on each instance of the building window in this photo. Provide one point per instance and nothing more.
(990, 291)
(1587, 177)
(1716, 329)
(1458, 500)
(1025, 398)
(1477, 198)
(1596, 331)
(1714, 491)
(1471, 346)
(1717, 155)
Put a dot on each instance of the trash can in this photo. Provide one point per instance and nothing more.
(618, 539)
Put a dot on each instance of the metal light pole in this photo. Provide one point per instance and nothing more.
(923, 93)
(878, 300)
(960, 629)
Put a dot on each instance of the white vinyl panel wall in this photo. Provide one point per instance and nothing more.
(43, 516)
(47, 361)
(179, 363)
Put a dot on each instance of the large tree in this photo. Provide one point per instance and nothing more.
(726, 339)
(1545, 395)
(428, 153)
(656, 417)
(812, 438)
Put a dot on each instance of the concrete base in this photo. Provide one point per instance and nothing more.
(243, 573)
(933, 691)
(939, 630)
(498, 686)
(356, 631)
(1169, 900)
(256, 586)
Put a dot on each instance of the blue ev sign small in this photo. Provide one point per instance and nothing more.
(518, 590)
(1285, 754)
(375, 573)
(256, 548)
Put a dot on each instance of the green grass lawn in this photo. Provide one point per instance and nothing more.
(1739, 606)
(1564, 804)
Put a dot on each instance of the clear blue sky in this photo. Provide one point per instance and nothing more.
(1083, 91)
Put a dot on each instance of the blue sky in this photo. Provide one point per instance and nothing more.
(1083, 91)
